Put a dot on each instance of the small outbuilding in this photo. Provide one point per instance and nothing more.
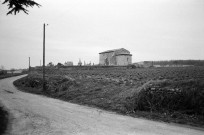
(68, 63)
(115, 57)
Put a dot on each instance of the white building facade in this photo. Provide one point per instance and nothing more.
(116, 57)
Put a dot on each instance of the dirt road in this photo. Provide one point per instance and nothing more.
(39, 115)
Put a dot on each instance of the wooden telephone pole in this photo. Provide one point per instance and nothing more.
(29, 65)
(44, 87)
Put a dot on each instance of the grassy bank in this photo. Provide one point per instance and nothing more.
(3, 121)
(164, 100)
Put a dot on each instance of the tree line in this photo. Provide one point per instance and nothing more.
(180, 62)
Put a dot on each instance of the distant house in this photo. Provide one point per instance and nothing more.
(14, 71)
(116, 57)
(68, 63)
(18, 71)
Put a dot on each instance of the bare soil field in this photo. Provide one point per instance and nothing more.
(173, 94)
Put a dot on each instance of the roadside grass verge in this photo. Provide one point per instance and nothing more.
(162, 100)
(3, 120)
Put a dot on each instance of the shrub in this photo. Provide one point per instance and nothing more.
(187, 98)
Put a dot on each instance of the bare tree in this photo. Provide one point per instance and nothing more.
(15, 6)
(2, 67)
(50, 64)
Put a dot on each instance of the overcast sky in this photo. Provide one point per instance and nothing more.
(80, 29)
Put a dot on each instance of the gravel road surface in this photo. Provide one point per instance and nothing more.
(39, 115)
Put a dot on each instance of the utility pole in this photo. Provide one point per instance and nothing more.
(44, 57)
(29, 65)
(40, 63)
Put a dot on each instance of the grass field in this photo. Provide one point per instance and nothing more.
(173, 94)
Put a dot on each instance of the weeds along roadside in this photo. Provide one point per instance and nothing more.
(3, 120)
